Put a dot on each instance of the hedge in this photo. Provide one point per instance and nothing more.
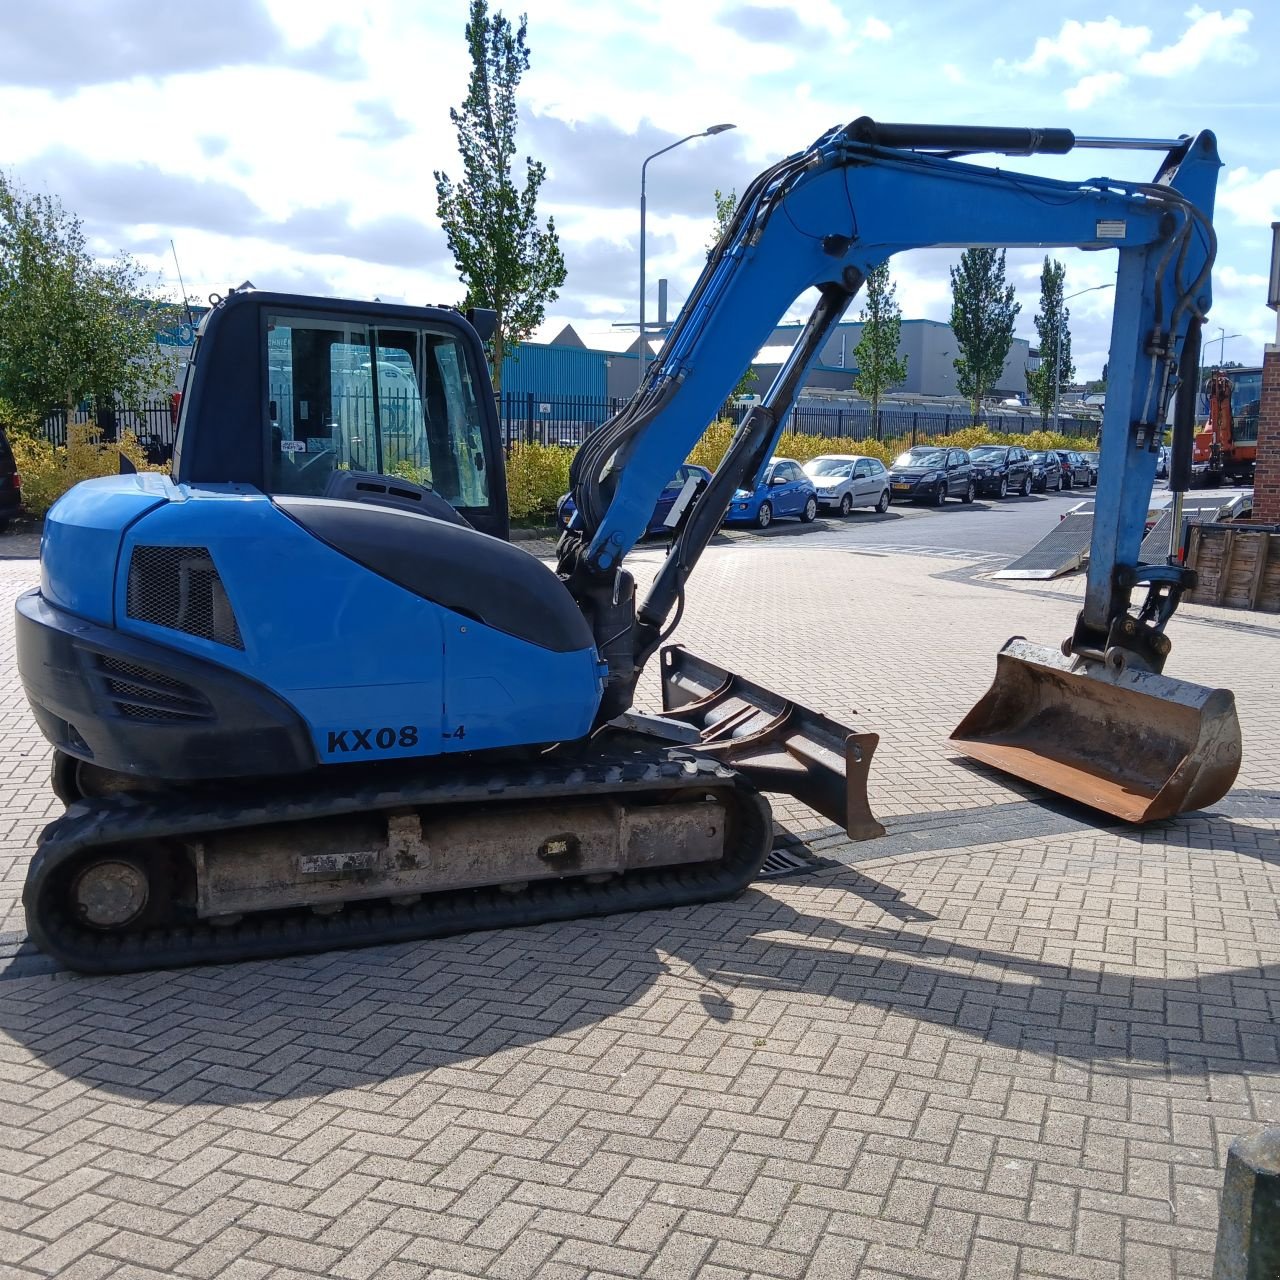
(537, 474)
(49, 470)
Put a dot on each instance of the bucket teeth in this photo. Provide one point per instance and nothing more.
(778, 744)
(1134, 744)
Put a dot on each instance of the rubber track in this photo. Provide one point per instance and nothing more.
(129, 820)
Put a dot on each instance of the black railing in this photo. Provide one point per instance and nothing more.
(564, 420)
(153, 423)
(567, 420)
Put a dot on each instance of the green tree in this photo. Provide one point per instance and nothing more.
(1055, 339)
(71, 327)
(982, 316)
(726, 207)
(506, 260)
(879, 365)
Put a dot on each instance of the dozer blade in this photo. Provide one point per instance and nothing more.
(778, 744)
(1134, 744)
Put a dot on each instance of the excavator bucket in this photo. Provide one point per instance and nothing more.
(1134, 744)
(780, 745)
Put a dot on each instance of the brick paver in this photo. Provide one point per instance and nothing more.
(1005, 1041)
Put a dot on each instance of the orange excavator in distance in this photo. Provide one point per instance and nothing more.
(1225, 447)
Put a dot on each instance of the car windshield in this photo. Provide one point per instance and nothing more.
(920, 458)
(828, 467)
(987, 451)
(1039, 457)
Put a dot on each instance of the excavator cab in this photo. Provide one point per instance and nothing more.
(363, 402)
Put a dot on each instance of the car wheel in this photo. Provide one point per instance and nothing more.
(1003, 491)
(4, 523)
(883, 505)
(846, 504)
(941, 496)
(810, 512)
(1026, 487)
(972, 492)
(1057, 484)
(764, 517)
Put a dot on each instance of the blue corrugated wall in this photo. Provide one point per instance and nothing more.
(554, 371)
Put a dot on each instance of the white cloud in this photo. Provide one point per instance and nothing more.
(1082, 46)
(953, 73)
(874, 29)
(1107, 52)
(1211, 37)
(1092, 87)
(1253, 197)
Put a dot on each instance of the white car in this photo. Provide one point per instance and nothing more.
(848, 480)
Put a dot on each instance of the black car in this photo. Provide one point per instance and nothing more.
(1046, 471)
(1090, 458)
(999, 470)
(10, 484)
(1082, 471)
(1072, 474)
(931, 473)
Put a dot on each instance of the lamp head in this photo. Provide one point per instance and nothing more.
(719, 128)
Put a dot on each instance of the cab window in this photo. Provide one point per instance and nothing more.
(396, 400)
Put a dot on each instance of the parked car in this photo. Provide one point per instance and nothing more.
(848, 480)
(1091, 456)
(1082, 470)
(10, 484)
(1162, 463)
(930, 473)
(566, 508)
(999, 470)
(785, 490)
(1046, 471)
(1071, 473)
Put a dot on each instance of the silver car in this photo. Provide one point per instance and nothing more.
(848, 480)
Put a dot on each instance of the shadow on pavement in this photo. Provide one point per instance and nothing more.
(310, 1026)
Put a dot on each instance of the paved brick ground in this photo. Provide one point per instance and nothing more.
(1004, 1041)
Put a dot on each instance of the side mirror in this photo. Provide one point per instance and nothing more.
(776, 480)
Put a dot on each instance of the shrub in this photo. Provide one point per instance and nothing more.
(48, 470)
(537, 475)
(710, 450)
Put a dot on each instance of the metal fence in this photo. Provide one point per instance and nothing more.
(567, 420)
(154, 423)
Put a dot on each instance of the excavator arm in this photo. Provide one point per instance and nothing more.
(823, 219)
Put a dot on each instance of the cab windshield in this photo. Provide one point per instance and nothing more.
(394, 400)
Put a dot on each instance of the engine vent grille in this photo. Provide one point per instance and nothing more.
(142, 694)
(179, 587)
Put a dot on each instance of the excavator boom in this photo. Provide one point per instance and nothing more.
(822, 220)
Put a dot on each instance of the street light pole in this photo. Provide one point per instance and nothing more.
(706, 133)
(1223, 337)
(1057, 344)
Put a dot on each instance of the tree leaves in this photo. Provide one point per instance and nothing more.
(1055, 339)
(504, 258)
(982, 315)
(879, 366)
(71, 327)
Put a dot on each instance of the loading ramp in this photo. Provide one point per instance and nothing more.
(1065, 548)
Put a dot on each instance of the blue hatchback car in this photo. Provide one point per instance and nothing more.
(566, 508)
(784, 490)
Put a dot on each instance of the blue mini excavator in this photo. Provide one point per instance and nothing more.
(304, 694)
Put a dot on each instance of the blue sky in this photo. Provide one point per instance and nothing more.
(292, 142)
